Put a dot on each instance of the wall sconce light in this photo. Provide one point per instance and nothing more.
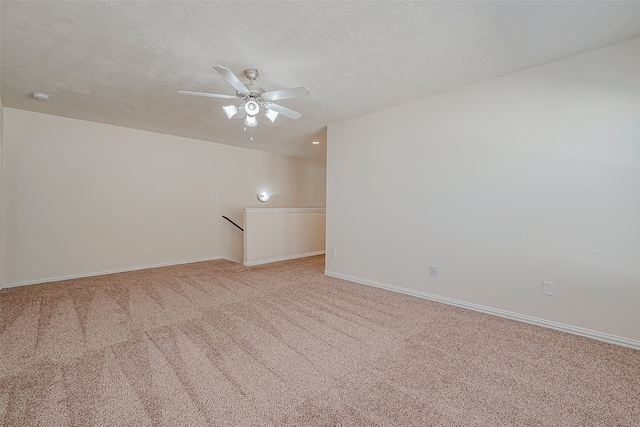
(264, 197)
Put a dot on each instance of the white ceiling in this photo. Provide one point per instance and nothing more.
(122, 63)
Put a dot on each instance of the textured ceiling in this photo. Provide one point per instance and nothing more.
(123, 62)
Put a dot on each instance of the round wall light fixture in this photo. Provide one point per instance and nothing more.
(264, 197)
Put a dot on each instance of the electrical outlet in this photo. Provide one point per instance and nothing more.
(433, 271)
(334, 254)
(547, 287)
(145, 247)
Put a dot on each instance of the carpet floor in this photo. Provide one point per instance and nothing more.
(219, 344)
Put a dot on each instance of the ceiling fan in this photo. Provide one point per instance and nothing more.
(253, 98)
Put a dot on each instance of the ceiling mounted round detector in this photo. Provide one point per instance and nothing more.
(40, 96)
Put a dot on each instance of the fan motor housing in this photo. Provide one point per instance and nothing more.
(254, 90)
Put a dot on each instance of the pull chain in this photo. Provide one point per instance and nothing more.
(250, 129)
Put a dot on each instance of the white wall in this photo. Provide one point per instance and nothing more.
(1, 157)
(82, 198)
(276, 234)
(533, 176)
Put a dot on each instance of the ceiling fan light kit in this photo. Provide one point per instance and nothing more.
(252, 108)
(271, 115)
(230, 110)
(253, 97)
(250, 121)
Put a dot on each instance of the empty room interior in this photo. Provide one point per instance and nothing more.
(273, 213)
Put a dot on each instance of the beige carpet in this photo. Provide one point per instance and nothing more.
(216, 343)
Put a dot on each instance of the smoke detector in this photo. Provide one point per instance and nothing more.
(40, 96)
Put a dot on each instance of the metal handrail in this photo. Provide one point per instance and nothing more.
(241, 229)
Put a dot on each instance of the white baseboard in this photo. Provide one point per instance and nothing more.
(284, 258)
(600, 336)
(101, 273)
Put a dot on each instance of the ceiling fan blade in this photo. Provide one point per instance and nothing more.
(295, 92)
(240, 114)
(232, 79)
(209, 95)
(283, 110)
